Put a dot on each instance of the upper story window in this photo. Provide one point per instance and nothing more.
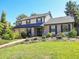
(43, 19)
(39, 20)
(28, 21)
(24, 22)
(18, 23)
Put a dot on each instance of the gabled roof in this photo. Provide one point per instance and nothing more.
(37, 15)
(65, 19)
(29, 25)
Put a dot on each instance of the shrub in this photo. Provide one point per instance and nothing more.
(62, 34)
(72, 33)
(23, 34)
(8, 35)
(44, 39)
(43, 36)
(16, 35)
(5, 36)
(49, 35)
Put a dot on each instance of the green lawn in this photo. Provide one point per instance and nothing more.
(5, 41)
(42, 50)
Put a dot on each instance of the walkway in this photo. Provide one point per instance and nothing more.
(12, 43)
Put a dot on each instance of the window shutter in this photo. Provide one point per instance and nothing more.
(61, 28)
(55, 29)
(69, 27)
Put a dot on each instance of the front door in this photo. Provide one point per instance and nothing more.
(39, 31)
(29, 32)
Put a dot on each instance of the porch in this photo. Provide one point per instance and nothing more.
(37, 31)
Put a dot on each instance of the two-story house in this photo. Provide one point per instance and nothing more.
(42, 24)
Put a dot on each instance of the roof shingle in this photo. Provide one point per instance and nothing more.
(65, 19)
(37, 15)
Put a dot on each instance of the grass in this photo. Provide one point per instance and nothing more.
(42, 50)
(5, 41)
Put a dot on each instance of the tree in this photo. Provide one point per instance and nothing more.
(5, 28)
(21, 16)
(1, 28)
(33, 14)
(8, 35)
(71, 8)
(3, 17)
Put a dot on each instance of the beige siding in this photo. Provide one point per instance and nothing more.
(22, 30)
(43, 19)
(53, 27)
(16, 30)
(58, 28)
(32, 31)
(47, 18)
(23, 22)
(71, 26)
(33, 20)
(46, 29)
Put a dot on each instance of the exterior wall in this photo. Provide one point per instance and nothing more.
(71, 26)
(58, 28)
(46, 30)
(33, 20)
(18, 22)
(16, 30)
(43, 19)
(32, 31)
(53, 27)
(47, 18)
(22, 30)
(23, 22)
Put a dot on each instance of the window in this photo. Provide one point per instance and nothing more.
(28, 21)
(28, 31)
(52, 28)
(24, 22)
(65, 27)
(19, 23)
(43, 19)
(39, 20)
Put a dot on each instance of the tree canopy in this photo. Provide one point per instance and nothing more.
(21, 16)
(5, 28)
(3, 17)
(72, 9)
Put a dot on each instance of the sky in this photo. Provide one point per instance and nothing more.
(14, 8)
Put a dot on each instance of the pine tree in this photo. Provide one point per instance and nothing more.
(3, 17)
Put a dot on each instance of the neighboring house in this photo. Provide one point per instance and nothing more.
(42, 24)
